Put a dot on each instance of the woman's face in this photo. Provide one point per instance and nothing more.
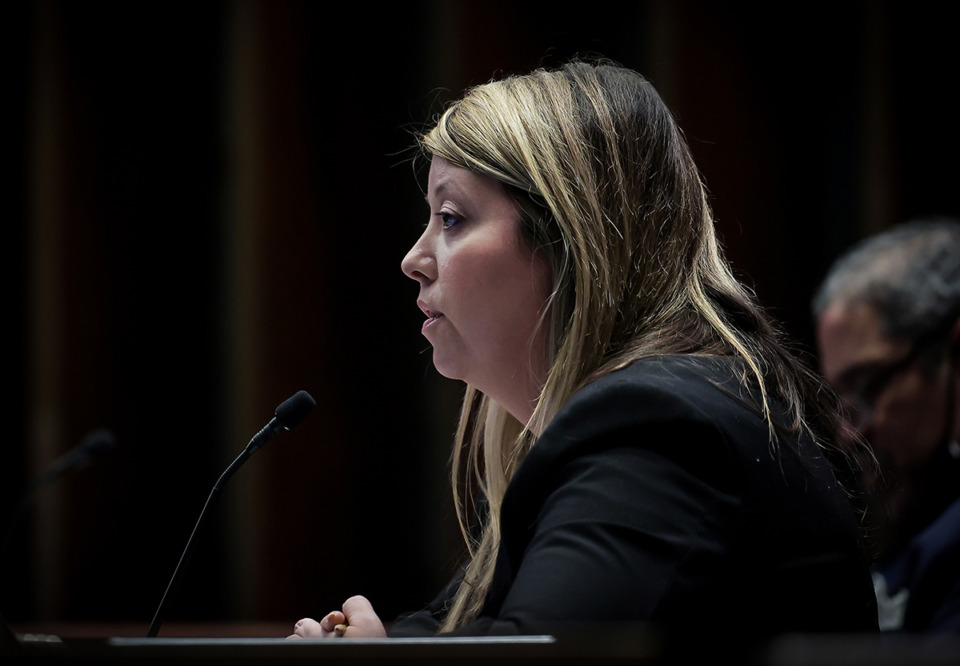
(482, 289)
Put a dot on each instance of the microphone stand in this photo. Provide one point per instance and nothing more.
(188, 550)
(288, 415)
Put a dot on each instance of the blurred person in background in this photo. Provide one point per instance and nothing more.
(888, 337)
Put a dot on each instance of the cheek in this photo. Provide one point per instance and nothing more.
(909, 420)
(490, 273)
(499, 298)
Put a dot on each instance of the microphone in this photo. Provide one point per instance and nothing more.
(92, 447)
(288, 415)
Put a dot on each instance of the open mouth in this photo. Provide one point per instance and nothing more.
(432, 316)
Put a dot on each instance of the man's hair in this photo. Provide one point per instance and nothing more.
(910, 274)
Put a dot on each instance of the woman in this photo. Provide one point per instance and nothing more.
(641, 444)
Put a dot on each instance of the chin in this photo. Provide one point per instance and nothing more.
(447, 367)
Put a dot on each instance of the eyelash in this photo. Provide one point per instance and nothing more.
(446, 217)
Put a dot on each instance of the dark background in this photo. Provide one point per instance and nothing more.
(207, 210)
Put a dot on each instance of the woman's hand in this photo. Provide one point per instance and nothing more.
(356, 620)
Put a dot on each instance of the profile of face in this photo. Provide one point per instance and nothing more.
(898, 406)
(482, 289)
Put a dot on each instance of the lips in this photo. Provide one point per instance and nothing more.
(432, 316)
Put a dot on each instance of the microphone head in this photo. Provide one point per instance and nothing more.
(97, 443)
(295, 409)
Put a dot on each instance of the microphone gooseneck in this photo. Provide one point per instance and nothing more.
(287, 416)
(92, 447)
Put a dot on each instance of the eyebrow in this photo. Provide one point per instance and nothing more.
(440, 189)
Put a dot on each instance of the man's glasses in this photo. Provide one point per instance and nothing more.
(860, 404)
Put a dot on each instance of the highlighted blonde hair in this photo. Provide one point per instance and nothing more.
(609, 193)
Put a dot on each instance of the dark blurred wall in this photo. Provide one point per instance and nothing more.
(209, 206)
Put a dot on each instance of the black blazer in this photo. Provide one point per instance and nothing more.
(655, 496)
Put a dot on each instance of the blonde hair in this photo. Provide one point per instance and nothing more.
(609, 194)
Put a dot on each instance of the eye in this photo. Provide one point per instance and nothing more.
(449, 220)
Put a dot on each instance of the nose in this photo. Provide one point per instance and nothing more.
(420, 264)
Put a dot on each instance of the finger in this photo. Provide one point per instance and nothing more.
(357, 605)
(331, 620)
(308, 628)
(362, 619)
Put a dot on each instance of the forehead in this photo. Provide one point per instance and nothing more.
(850, 336)
(445, 175)
(441, 172)
(487, 195)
